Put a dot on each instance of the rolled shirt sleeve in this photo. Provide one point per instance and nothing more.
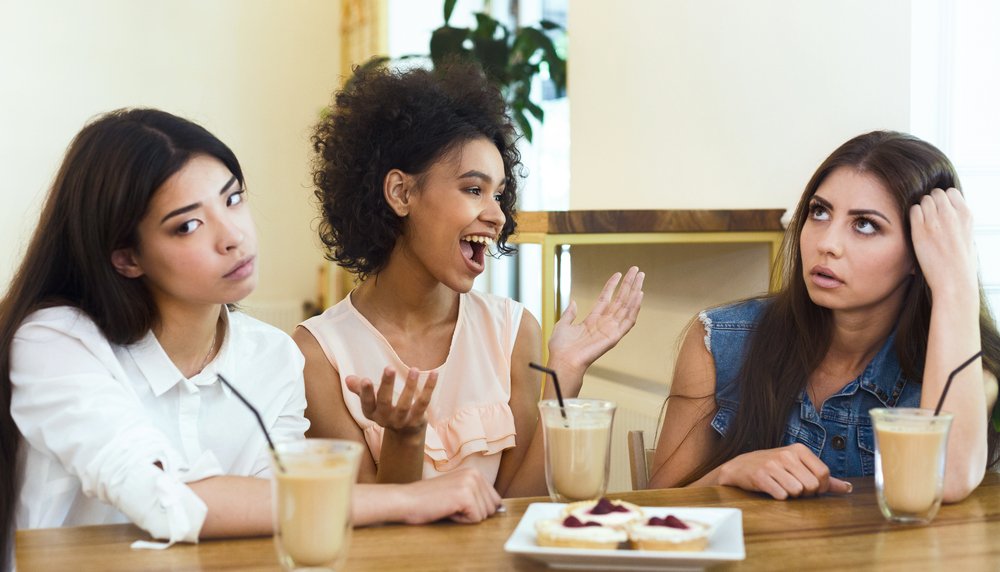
(70, 400)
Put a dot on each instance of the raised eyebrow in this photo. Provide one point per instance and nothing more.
(193, 206)
(228, 184)
(869, 212)
(852, 212)
(821, 201)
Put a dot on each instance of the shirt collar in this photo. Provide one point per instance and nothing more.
(161, 373)
(883, 377)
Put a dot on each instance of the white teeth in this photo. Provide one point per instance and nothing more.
(477, 238)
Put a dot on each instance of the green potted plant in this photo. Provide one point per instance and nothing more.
(511, 59)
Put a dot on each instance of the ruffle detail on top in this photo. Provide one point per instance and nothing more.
(476, 429)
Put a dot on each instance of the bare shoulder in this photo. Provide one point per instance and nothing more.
(307, 343)
(694, 372)
(325, 407)
(686, 437)
(529, 333)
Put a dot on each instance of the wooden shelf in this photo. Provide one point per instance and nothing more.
(554, 229)
(615, 221)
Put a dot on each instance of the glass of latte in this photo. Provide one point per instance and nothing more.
(311, 501)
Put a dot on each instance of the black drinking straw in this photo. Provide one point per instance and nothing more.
(951, 376)
(260, 421)
(555, 382)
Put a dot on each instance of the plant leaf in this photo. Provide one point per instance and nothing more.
(523, 123)
(449, 7)
(531, 40)
(446, 41)
(486, 26)
(534, 109)
(548, 25)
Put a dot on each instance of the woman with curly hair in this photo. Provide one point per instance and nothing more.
(415, 173)
(881, 301)
(114, 332)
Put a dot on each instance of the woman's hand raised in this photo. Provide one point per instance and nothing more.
(941, 226)
(792, 471)
(407, 415)
(573, 347)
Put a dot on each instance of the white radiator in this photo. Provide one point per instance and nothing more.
(282, 314)
(638, 409)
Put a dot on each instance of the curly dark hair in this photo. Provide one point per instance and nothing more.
(388, 119)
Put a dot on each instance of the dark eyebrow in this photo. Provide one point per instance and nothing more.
(852, 212)
(474, 174)
(193, 206)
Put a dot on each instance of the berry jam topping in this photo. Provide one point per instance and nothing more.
(573, 522)
(604, 506)
(671, 521)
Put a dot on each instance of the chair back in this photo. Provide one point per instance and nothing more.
(639, 459)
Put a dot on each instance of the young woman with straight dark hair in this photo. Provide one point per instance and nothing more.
(113, 333)
(880, 302)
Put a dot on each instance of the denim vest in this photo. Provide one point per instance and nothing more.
(841, 434)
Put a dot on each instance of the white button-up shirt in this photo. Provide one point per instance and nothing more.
(96, 417)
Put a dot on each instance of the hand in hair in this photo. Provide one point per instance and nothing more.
(408, 414)
(941, 226)
(792, 471)
(573, 347)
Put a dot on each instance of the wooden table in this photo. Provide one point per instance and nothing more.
(827, 533)
(554, 229)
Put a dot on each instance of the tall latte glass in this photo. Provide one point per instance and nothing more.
(910, 447)
(311, 501)
(577, 447)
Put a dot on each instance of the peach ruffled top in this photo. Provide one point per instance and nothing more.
(469, 418)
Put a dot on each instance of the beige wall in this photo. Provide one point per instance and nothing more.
(716, 104)
(254, 72)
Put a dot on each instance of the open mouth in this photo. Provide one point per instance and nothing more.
(474, 248)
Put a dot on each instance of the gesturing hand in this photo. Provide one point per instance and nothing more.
(407, 415)
(941, 227)
(576, 346)
(792, 471)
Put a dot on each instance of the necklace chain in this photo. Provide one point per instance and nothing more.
(211, 348)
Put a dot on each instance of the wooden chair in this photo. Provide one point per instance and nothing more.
(639, 459)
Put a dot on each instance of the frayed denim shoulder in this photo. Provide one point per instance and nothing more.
(707, 322)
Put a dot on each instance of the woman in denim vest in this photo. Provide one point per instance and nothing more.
(772, 394)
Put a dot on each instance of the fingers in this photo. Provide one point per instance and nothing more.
(363, 388)
(806, 484)
(840, 487)
(384, 398)
(478, 499)
(940, 205)
(817, 469)
(794, 471)
(768, 483)
(424, 397)
(605, 298)
(401, 412)
(569, 314)
(629, 298)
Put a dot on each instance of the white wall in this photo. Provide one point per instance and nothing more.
(720, 104)
(716, 104)
(254, 72)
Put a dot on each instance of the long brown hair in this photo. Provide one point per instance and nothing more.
(102, 190)
(773, 375)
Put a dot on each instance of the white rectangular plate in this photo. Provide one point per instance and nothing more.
(725, 543)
